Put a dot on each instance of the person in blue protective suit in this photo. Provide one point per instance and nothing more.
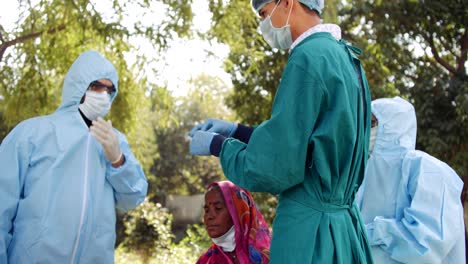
(313, 149)
(64, 174)
(410, 201)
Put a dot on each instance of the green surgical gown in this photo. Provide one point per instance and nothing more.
(312, 153)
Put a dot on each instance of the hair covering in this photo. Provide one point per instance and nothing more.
(397, 124)
(88, 67)
(316, 5)
(252, 233)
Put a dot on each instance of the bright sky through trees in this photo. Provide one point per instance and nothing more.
(184, 60)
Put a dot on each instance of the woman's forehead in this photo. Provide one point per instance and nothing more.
(214, 195)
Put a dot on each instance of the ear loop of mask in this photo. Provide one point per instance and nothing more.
(287, 21)
(290, 10)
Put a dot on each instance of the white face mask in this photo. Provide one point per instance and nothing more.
(227, 242)
(373, 135)
(279, 38)
(95, 105)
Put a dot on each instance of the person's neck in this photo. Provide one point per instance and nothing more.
(303, 23)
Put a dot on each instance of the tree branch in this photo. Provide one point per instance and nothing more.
(1, 34)
(463, 54)
(437, 57)
(5, 45)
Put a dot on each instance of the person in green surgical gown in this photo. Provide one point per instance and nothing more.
(313, 150)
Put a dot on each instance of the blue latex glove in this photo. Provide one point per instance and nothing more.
(200, 144)
(221, 127)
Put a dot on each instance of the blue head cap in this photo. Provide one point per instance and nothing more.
(258, 4)
(316, 5)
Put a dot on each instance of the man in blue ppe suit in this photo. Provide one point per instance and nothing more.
(64, 174)
(410, 201)
(313, 149)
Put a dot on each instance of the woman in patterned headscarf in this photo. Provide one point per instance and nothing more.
(236, 226)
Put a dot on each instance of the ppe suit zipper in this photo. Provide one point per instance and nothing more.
(83, 207)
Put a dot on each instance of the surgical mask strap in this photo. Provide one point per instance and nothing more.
(272, 11)
(290, 10)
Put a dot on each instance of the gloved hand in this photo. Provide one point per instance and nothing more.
(103, 132)
(200, 144)
(221, 127)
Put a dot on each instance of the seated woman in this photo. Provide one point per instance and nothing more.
(240, 234)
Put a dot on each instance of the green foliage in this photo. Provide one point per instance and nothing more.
(50, 34)
(187, 251)
(255, 69)
(266, 203)
(148, 230)
(3, 126)
(178, 172)
(197, 238)
(173, 171)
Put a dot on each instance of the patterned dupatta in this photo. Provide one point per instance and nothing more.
(252, 233)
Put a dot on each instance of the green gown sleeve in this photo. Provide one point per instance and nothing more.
(275, 158)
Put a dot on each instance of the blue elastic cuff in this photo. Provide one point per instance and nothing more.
(216, 144)
(243, 133)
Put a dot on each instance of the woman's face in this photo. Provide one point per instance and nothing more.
(217, 218)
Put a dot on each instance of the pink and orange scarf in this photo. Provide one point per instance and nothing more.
(252, 233)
